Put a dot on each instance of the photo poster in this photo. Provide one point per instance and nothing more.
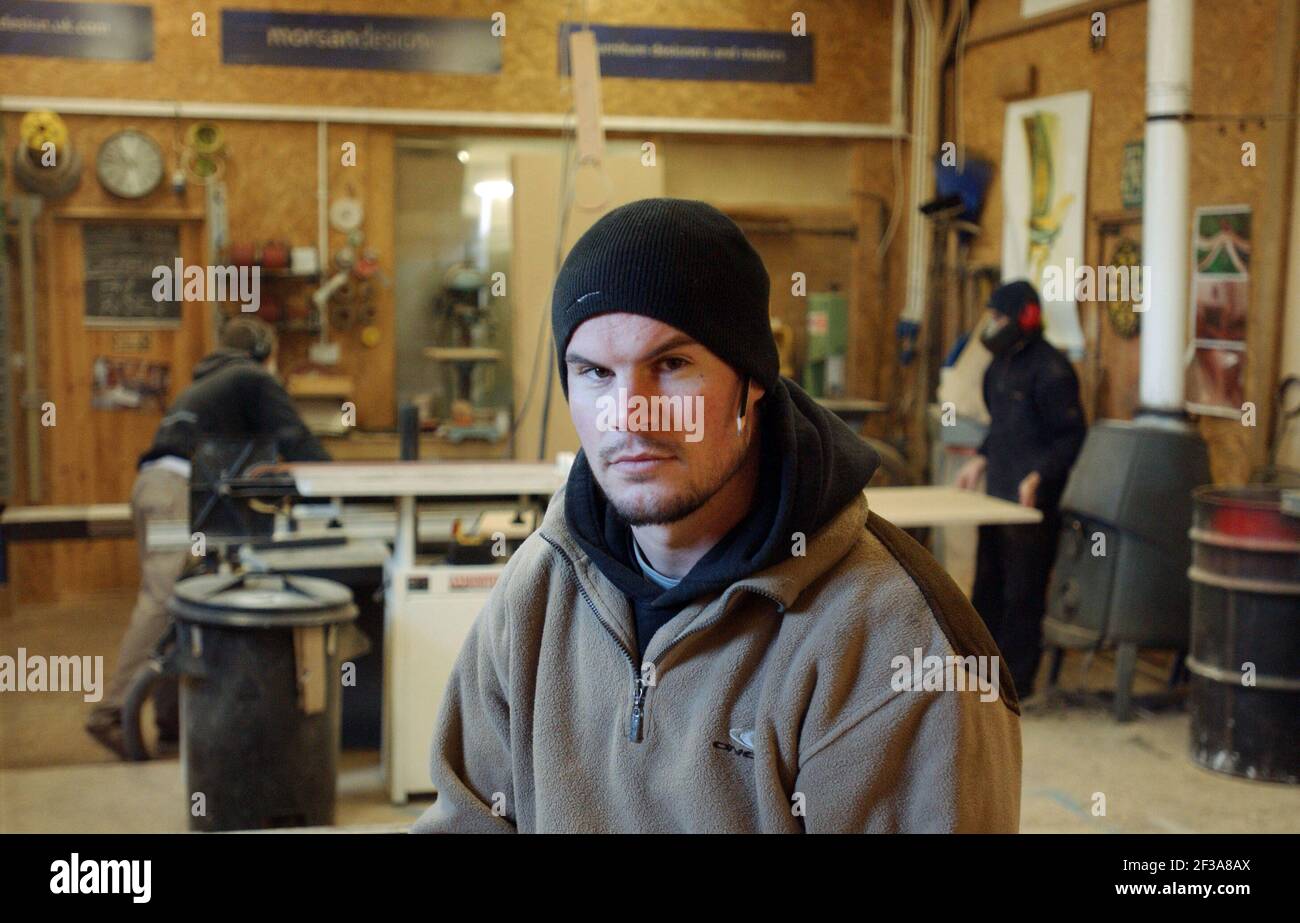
(1220, 299)
(1044, 198)
(129, 384)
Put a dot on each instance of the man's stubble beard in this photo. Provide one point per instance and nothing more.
(676, 508)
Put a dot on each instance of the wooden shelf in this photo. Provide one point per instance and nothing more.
(463, 354)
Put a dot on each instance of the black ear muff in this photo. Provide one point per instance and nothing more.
(262, 346)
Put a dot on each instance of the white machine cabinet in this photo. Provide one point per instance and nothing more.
(429, 609)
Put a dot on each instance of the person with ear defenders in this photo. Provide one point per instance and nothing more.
(1036, 430)
(235, 395)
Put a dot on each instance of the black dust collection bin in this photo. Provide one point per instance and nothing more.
(258, 656)
(1245, 577)
(1131, 486)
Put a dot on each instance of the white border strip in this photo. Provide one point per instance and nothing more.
(142, 108)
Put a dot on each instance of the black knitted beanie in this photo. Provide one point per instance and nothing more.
(678, 261)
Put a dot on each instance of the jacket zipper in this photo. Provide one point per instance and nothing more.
(635, 731)
(638, 699)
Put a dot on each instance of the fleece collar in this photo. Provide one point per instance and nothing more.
(782, 582)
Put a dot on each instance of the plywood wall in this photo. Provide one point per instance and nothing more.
(1233, 54)
(271, 179)
(852, 43)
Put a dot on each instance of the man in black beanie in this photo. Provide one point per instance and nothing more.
(709, 630)
(1036, 429)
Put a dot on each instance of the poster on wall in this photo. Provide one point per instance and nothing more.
(1044, 196)
(94, 31)
(1220, 289)
(128, 384)
(662, 53)
(428, 44)
(1130, 178)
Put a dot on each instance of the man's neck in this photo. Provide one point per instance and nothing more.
(673, 548)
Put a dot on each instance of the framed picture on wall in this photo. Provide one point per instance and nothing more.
(1044, 199)
(1220, 302)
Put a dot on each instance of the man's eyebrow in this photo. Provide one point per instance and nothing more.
(675, 342)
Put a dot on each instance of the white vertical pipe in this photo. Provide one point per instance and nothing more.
(1165, 241)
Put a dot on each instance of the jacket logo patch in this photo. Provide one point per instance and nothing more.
(744, 737)
(728, 748)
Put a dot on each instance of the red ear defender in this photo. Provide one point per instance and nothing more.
(1031, 316)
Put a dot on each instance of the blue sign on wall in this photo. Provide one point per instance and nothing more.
(393, 43)
(103, 31)
(697, 54)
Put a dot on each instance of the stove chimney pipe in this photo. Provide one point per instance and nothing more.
(1165, 244)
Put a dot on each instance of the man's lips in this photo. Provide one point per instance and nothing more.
(644, 456)
(640, 462)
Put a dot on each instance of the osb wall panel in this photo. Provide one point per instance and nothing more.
(271, 194)
(90, 456)
(852, 45)
(1233, 56)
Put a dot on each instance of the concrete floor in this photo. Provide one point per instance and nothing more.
(53, 778)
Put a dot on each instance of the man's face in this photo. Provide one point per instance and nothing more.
(668, 442)
(995, 321)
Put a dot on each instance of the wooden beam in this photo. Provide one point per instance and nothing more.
(1271, 235)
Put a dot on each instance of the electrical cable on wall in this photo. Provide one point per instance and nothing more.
(567, 192)
(544, 339)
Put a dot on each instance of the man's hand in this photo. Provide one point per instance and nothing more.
(968, 477)
(1029, 488)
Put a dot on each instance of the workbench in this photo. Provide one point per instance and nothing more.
(906, 507)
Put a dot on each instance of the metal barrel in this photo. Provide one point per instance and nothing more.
(1244, 656)
(261, 698)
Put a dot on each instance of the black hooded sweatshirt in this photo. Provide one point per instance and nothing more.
(233, 396)
(812, 464)
(1036, 422)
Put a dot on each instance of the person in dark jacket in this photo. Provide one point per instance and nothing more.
(234, 394)
(1036, 430)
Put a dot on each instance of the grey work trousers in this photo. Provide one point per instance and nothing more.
(159, 494)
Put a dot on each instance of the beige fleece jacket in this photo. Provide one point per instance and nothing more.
(773, 706)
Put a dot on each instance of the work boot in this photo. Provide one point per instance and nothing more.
(106, 728)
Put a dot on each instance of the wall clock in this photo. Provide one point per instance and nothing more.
(130, 164)
(346, 214)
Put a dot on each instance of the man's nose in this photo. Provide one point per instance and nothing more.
(637, 391)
